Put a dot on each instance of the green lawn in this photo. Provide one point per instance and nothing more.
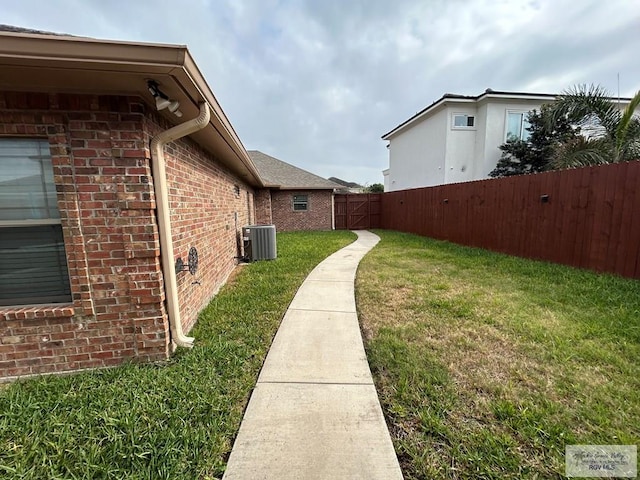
(488, 365)
(172, 421)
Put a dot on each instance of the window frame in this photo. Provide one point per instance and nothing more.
(468, 116)
(40, 222)
(524, 133)
(304, 202)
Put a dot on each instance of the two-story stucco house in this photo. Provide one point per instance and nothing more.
(456, 138)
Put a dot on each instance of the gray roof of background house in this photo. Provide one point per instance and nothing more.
(14, 29)
(283, 175)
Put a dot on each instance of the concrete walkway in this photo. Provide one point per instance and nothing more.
(314, 413)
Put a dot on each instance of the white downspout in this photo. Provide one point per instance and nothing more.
(164, 221)
(333, 210)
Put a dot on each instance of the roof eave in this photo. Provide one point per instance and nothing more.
(422, 114)
(457, 99)
(58, 52)
(512, 95)
(64, 48)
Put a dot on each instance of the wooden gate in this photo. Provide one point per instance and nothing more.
(358, 211)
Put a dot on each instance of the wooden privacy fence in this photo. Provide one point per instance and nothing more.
(358, 211)
(587, 217)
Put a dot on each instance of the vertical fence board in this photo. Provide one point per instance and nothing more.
(583, 222)
(531, 214)
(616, 217)
(624, 248)
(565, 221)
(340, 211)
(548, 234)
(632, 265)
(597, 233)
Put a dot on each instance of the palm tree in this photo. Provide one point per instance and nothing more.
(609, 135)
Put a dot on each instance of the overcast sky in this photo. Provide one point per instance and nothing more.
(317, 82)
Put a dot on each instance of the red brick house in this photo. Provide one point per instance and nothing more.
(116, 162)
(295, 198)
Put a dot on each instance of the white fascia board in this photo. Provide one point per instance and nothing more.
(540, 98)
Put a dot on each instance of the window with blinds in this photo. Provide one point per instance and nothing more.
(33, 264)
(300, 203)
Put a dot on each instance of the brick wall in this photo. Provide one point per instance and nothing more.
(209, 206)
(99, 148)
(263, 207)
(317, 217)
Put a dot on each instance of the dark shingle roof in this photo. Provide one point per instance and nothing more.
(14, 29)
(344, 183)
(286, 176)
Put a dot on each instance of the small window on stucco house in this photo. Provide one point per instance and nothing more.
(300, 203)
(33, 262)
(462, 120)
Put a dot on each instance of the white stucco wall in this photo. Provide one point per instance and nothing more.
(479, 148)
(460, 147)
(417, 155)
(385, 175)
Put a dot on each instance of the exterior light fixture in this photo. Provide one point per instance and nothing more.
(162, 103)
(174, 108)
(162, 100)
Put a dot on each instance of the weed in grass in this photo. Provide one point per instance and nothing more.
(488, 365)
(161, 422)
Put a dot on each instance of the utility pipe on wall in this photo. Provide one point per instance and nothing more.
(333, 210)
(164, 217)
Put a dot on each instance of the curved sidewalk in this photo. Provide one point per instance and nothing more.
(314, 413)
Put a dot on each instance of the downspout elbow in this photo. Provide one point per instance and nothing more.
(164, 218)
(183, 129)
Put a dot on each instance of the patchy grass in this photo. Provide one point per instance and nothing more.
(172, 421)
(488, 365)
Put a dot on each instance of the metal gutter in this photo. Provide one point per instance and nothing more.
(25, 52)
